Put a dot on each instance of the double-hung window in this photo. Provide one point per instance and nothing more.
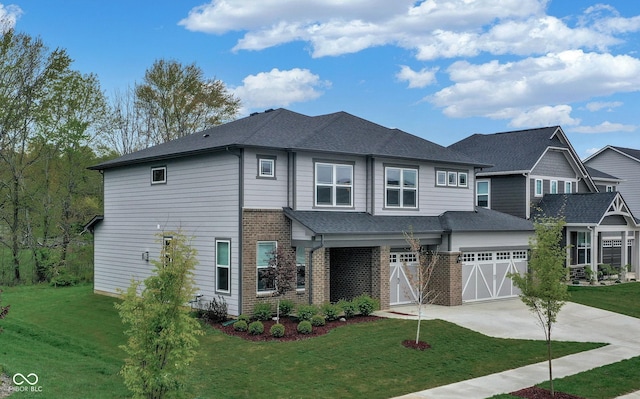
(223, 265)
(584, 248)
(482, 193)
(264, 251)
(333, 184)
(538, 192)
(554, 187)
(568, 187)
(401, 186)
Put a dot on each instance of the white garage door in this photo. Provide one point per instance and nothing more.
(401, 289)
(484, 274)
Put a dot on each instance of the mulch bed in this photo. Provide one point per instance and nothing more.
(541, 393)
(290, 329)
(411, 344)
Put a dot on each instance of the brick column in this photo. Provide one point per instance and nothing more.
(447, 279)
(380, 275)
(320, 276)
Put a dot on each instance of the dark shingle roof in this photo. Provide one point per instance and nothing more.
(510, 151)
(364, 223)
(598, 174)
(629, 151)
(339, 132)
(585, 208)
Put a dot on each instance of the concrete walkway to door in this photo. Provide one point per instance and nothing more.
(510, 318)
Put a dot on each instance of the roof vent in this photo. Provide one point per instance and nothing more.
(268, 110)
(205, 135)
(253, 113)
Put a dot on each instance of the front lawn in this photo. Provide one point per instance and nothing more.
(69, 337)
(619, 298)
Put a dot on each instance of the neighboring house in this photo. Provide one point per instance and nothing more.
(338, 190)
(624, 163)
(533, 173)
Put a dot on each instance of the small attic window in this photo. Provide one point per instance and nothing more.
(159, 175)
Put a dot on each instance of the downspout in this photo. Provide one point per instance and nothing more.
(313, 249)
(240, 156)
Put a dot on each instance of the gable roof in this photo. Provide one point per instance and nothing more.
(337, 133)
(600, 175)
(585, 208)
(627, 152)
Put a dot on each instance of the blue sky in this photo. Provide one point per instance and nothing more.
(439, 69)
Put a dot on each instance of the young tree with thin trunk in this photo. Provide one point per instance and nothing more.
(543, 288)
(283, 270)
(419, 276)
(162, 335)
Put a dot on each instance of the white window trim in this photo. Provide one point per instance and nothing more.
(452, 179)
(535, 187)
(466, 179)
(271, 160)
(443, 174)
(609, 188)
(228, 267)
(586, 247)
(568, 185)
(301, 264)
(163, 168)
(488, 192)
(334, 185)
(401, 188)
(553, 187)
(258, 267)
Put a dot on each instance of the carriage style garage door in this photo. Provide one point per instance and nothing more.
(484, 274)
(401, 291)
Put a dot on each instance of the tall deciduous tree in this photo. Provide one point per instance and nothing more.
(162, 336)
(543, 287)
(177, 100)
(125, 132)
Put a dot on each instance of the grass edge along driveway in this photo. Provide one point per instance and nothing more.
(69, 337)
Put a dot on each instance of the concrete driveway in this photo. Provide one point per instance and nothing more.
(510, 318)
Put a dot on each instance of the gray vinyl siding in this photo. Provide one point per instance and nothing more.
(265, 193)
(490, 241)
(200, 198)
(624, 168)
(508, 195)
(554, 164)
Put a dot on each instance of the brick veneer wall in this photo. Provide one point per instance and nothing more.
(380, 275)
(447, 280)
(350, 273)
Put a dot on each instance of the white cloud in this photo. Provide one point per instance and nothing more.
(278, 88)
(591, 151)
(557, 78)
(9, 15)
(598, 105)
(540, 116)
(417, 79)
(605, 127)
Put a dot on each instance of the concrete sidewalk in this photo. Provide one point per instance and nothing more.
(512, 319)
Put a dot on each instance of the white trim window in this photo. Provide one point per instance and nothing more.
(223, 266)
(266, 167)
(538, 188)
(159, 175)
(568, 187)
(401, 187)
(554, 187)
(609, 189)
(264, 252)
(463, 179)
(483, 193)
(584, 248)
(452, 179)
(300, 268)
(333, 184)
(441, 178)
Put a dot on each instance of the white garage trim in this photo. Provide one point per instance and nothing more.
(401, 290)
(485, 274)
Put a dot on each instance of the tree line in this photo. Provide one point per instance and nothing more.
(55, 122)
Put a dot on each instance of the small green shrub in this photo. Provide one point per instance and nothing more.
(306, 312)
(262, 311)
(240, 325)
(216, 310)
(286, 307)
(256, 328)
(366, 304)
(304, 327)
(348, 308)
(277, 330)
(330, 311)
(318, 320)
(63, 278)
(245, 317)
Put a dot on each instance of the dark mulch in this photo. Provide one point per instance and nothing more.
(541, 393)
(411, 344)
(290, 329)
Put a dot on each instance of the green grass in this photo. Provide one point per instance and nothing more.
(619, 298)
(70, 338)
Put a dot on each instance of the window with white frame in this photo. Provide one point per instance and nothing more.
(301, 268)
(441, 178)
(482, 193)
(334, 184)
(538, 188)
(159, 175)
(609, 189)
(452, 179)
(264, 251)
(401, 186)
(568, 187)
(167, 250)
(463, 178)
(584, 248)
(223, 266)
(554, 187)
(266, 167)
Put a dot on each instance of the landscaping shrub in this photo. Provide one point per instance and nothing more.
(318, 320)
(348, 308)
(262, 311)
(306, 312)
(240, 325)
(286, 307)
(304, 327)
(245, 317)
(330, 311)
(277, 330)
(216, 310)
(366, 304)
(256, 328)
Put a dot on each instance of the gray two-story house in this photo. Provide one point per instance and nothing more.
(536, 172)
(337, 190)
